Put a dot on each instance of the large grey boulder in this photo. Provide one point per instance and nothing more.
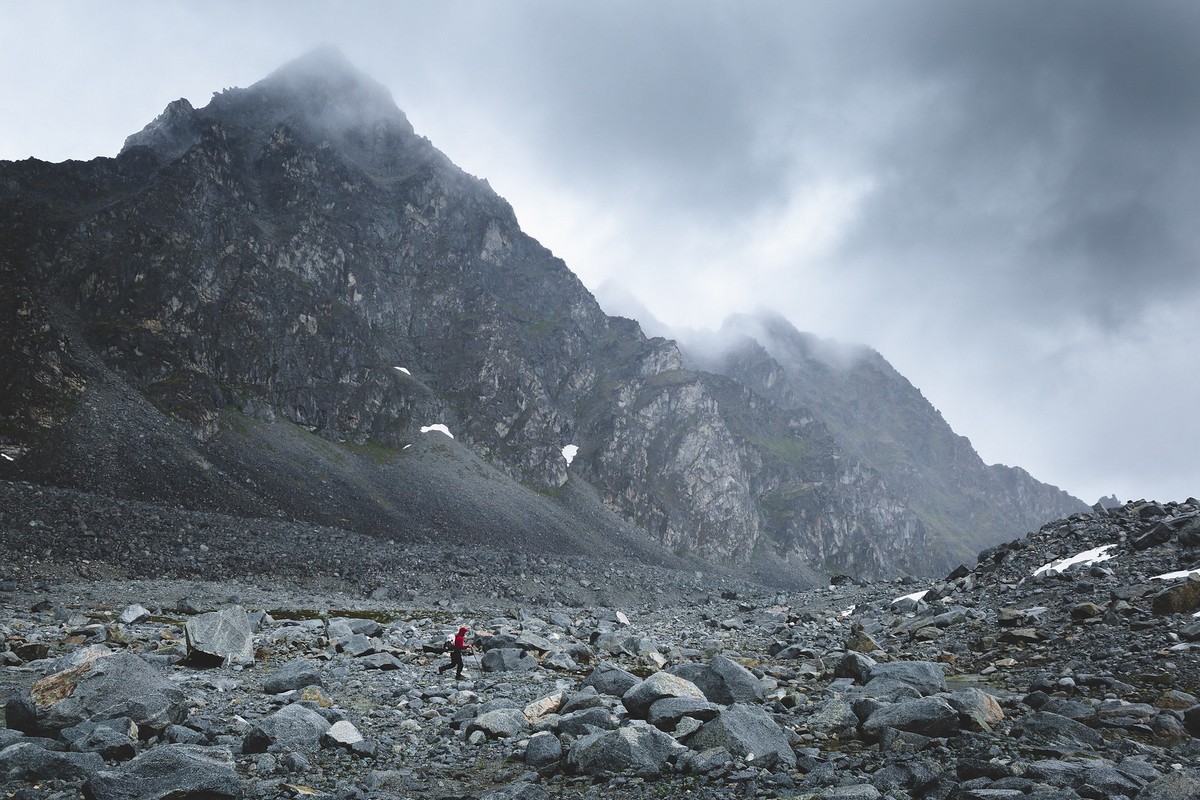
(344, 627)
(508, 659)
(1191, 720)
(293, 726)
(608, 678)
(636, 748)
(344, 735)
(80, 656)
(531, 641)
(1183, 785)
(503, 723)
(29, 761)
(1182, 598)
(928, 716)
(666, 713)
(170, 772)
(977, 709)
(834, 717)
(133, 614)
(543, 752)
(1107, 778)
(1058, 731)
(855, 665)
(120, 685)
(723, 681)
(356, 645)
(585, 721)
(381, 661)
(640, 697)
(587, 697)
(855, 791)
(925, 677)
(890, 690)
(747, 732)
(295, 674)
(219, 637)
(114, 739)
(519, 790)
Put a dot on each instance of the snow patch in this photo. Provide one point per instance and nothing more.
(7, 457)
(1087, 558)
(914, 596)
(1174, 576)
(402, 369)
(440, 428)
(569, 452)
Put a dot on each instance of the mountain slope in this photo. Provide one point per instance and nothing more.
(880, 417)
(292, 264)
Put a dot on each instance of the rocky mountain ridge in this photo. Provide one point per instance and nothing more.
(881, 418)
(195, 320)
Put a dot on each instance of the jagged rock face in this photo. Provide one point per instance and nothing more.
(882, 419)
(300, 252)
(295, 251)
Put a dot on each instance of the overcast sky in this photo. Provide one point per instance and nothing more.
(1000, 197)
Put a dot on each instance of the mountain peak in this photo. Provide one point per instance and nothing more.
(320, 90)
(325, 66)
(326, 89)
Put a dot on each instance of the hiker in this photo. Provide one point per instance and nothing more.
(457, 649)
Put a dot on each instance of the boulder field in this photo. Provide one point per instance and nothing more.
(1062, 665)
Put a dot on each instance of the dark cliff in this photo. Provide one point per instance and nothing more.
(258, 305)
